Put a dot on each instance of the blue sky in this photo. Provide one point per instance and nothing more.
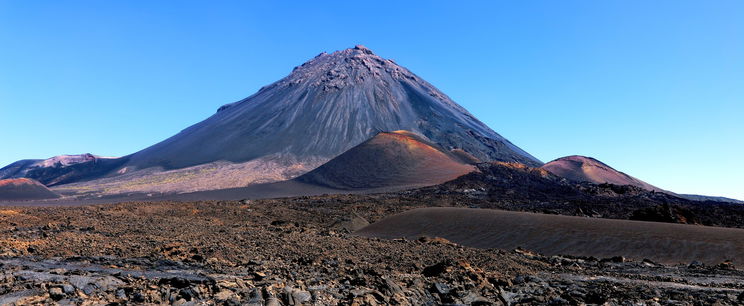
(652, 88)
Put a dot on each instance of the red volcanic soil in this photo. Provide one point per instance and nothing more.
(465, 157)
(24, 189)
(553, 234)
(399, 158)
(587, 169)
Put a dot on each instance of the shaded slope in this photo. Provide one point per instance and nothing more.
(17, 169)
(24, 189)
(552, 235)
(389, 159)
(324, 108)
(586, 169)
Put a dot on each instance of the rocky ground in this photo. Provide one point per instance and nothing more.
(511, 186)
(300, 251)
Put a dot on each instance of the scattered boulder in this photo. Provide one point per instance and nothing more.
(56, 293)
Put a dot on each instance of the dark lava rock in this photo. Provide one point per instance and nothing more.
(696, 265)
(437, 269)
(138, 297)
(441, 288)
(251, 264)
(68, 289)
(56, 293)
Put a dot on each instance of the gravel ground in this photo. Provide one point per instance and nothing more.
(299, 251)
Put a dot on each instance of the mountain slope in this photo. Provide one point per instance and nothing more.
(61, 169)
(17, 169)
(587, 169)
(24, 189)
(397, 158)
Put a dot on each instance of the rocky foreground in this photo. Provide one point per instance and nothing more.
(301, 251)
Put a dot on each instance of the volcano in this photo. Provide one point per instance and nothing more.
(323, 108)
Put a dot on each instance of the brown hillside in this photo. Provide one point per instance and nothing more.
(389, 159)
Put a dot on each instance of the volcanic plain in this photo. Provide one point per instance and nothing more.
(302, 250)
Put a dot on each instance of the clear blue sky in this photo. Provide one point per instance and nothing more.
(653, 88)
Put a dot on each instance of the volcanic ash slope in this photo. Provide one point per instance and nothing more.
(398, 158)
(24, 189)
(586, 169)
(578, 236)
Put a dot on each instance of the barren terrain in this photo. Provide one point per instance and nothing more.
(25, 189)
(399, 158)
(300, 251)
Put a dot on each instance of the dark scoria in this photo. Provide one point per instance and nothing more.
(296, 251)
